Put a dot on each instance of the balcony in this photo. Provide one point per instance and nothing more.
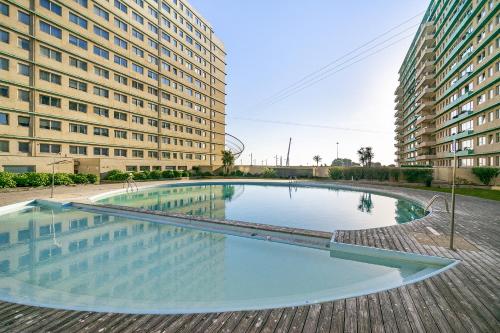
(409, 150)
(426, 130)
(457, 83)
(426, 92)
(459, 135)
(458, 101)
(428, 79)
(457, 118)
(426, 157)
(425, 119)
(426, 40)
(464, 152)
(425, 105)
(427, 66)
(426, 143)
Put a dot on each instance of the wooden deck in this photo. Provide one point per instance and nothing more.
(462, 299)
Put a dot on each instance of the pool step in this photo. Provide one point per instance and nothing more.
(303, 237)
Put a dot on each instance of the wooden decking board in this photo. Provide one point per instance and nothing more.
(325, 318)
(27, 322)
(191, 325)
(134, 327)
(338, 316)
(259, 321)
(351, 318)
(218, 322)
(285, 320)
(311, 322)
(272, 321)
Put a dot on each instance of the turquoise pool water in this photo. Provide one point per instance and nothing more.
(325, 209)
(74, 259)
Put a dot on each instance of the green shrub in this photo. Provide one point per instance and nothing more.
(394, 174)
(32, 179)
(79, 178)
(336, 173)
(7, 180)
(414, 175)
(91, 178)
(237, 173)
(486, 174)
(116, 175)
(177, 173)
(167, 174)
(63, 179)
(185, 173)
(207, 174)
(354, 173)
(155, 174)
(140, 175)
(269, 173)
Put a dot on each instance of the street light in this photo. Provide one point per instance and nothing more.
(452, 231)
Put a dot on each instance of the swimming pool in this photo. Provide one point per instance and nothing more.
(75, 259)
(307, 207)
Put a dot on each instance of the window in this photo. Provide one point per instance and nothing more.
(138, 153)
(78, 107)
(101, 131)
(120, 97)
(4, 9)
(78, 150)
(4, 91)
(4, 146)
(23, 17)
(121, 43)
(23, 95)
(121, 152)
(138, 69)
(137, 85)
(138, 136)
(23, 121)
(51, 54)
(120, 134)
(137, 51)
(23, 69)
(101, 72)
(101, 52)
(101, 12)
(50, 148)
(101, 32)
(23, 147)
(78, 63)
(82, 3)
(50, 124)
(137, 17)
(4, 118)
(121, 6)
(77, 128)
(98, 151)
(121, 61)
(4, 36)
(138, 102)
(50, 77)
(4, 64)
(121, 25)
(101, 111)
(137, 34)
(78, 42)
(23, 43)
(101, 92)
(50, 29)
(120, 115)
(78, 20)
(50, 101)
(51, 6)
(121, 79)
(77, 85)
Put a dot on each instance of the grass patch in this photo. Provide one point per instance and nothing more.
(473, 192)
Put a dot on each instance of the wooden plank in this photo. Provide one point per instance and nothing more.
(272, 321)
(285, 320)
(312, 318)
(351, 318)
(299, 319)
(325, 318)
(246, 321)
(259, 321)
(338, 316)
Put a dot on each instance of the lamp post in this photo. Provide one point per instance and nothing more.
(337, 150)
(452, 231)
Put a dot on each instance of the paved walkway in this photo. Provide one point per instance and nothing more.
(462, 299)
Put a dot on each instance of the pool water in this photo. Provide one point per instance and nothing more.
(314, 208)
(74, 259)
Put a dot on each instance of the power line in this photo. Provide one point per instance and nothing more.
(282, 91)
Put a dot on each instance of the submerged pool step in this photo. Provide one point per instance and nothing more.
(303, 237)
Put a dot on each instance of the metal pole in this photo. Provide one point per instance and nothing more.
(53, 171)
(452, 231)
(337, 150)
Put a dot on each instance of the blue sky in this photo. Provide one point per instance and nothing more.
(273, 43)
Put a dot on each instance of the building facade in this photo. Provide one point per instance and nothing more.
(449, 87)
(109, 84)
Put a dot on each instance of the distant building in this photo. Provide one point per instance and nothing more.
(449, 88)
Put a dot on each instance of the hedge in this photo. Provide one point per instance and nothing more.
(411, 175)
(33, 179)
(118, 175)
(486, 174)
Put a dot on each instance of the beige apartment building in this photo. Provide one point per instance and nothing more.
(449, 87)
(109, 84)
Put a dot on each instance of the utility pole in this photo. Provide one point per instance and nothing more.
(251, 159)
(281, 160)
(452, 231)
(337, 150)
(288, 154)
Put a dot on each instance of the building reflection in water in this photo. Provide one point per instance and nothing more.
(84, 253)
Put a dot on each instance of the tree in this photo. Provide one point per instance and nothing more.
(317, 159)
(227, 160)
(344, 162)
(366, 156)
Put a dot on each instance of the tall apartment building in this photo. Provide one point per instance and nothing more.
(109, 84)
(449, 87)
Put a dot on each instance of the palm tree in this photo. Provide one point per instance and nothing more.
(227, 159)
(361, 154)
(317, 159)
(369, 155)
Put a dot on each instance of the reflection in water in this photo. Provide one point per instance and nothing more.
(365, 203)
(73, 258)
(289, 205)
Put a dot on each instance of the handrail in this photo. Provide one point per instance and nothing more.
(434, 198)
(130, 185)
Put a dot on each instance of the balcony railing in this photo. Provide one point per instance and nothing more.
(464, 152)
(457, 118)
(457, 101)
